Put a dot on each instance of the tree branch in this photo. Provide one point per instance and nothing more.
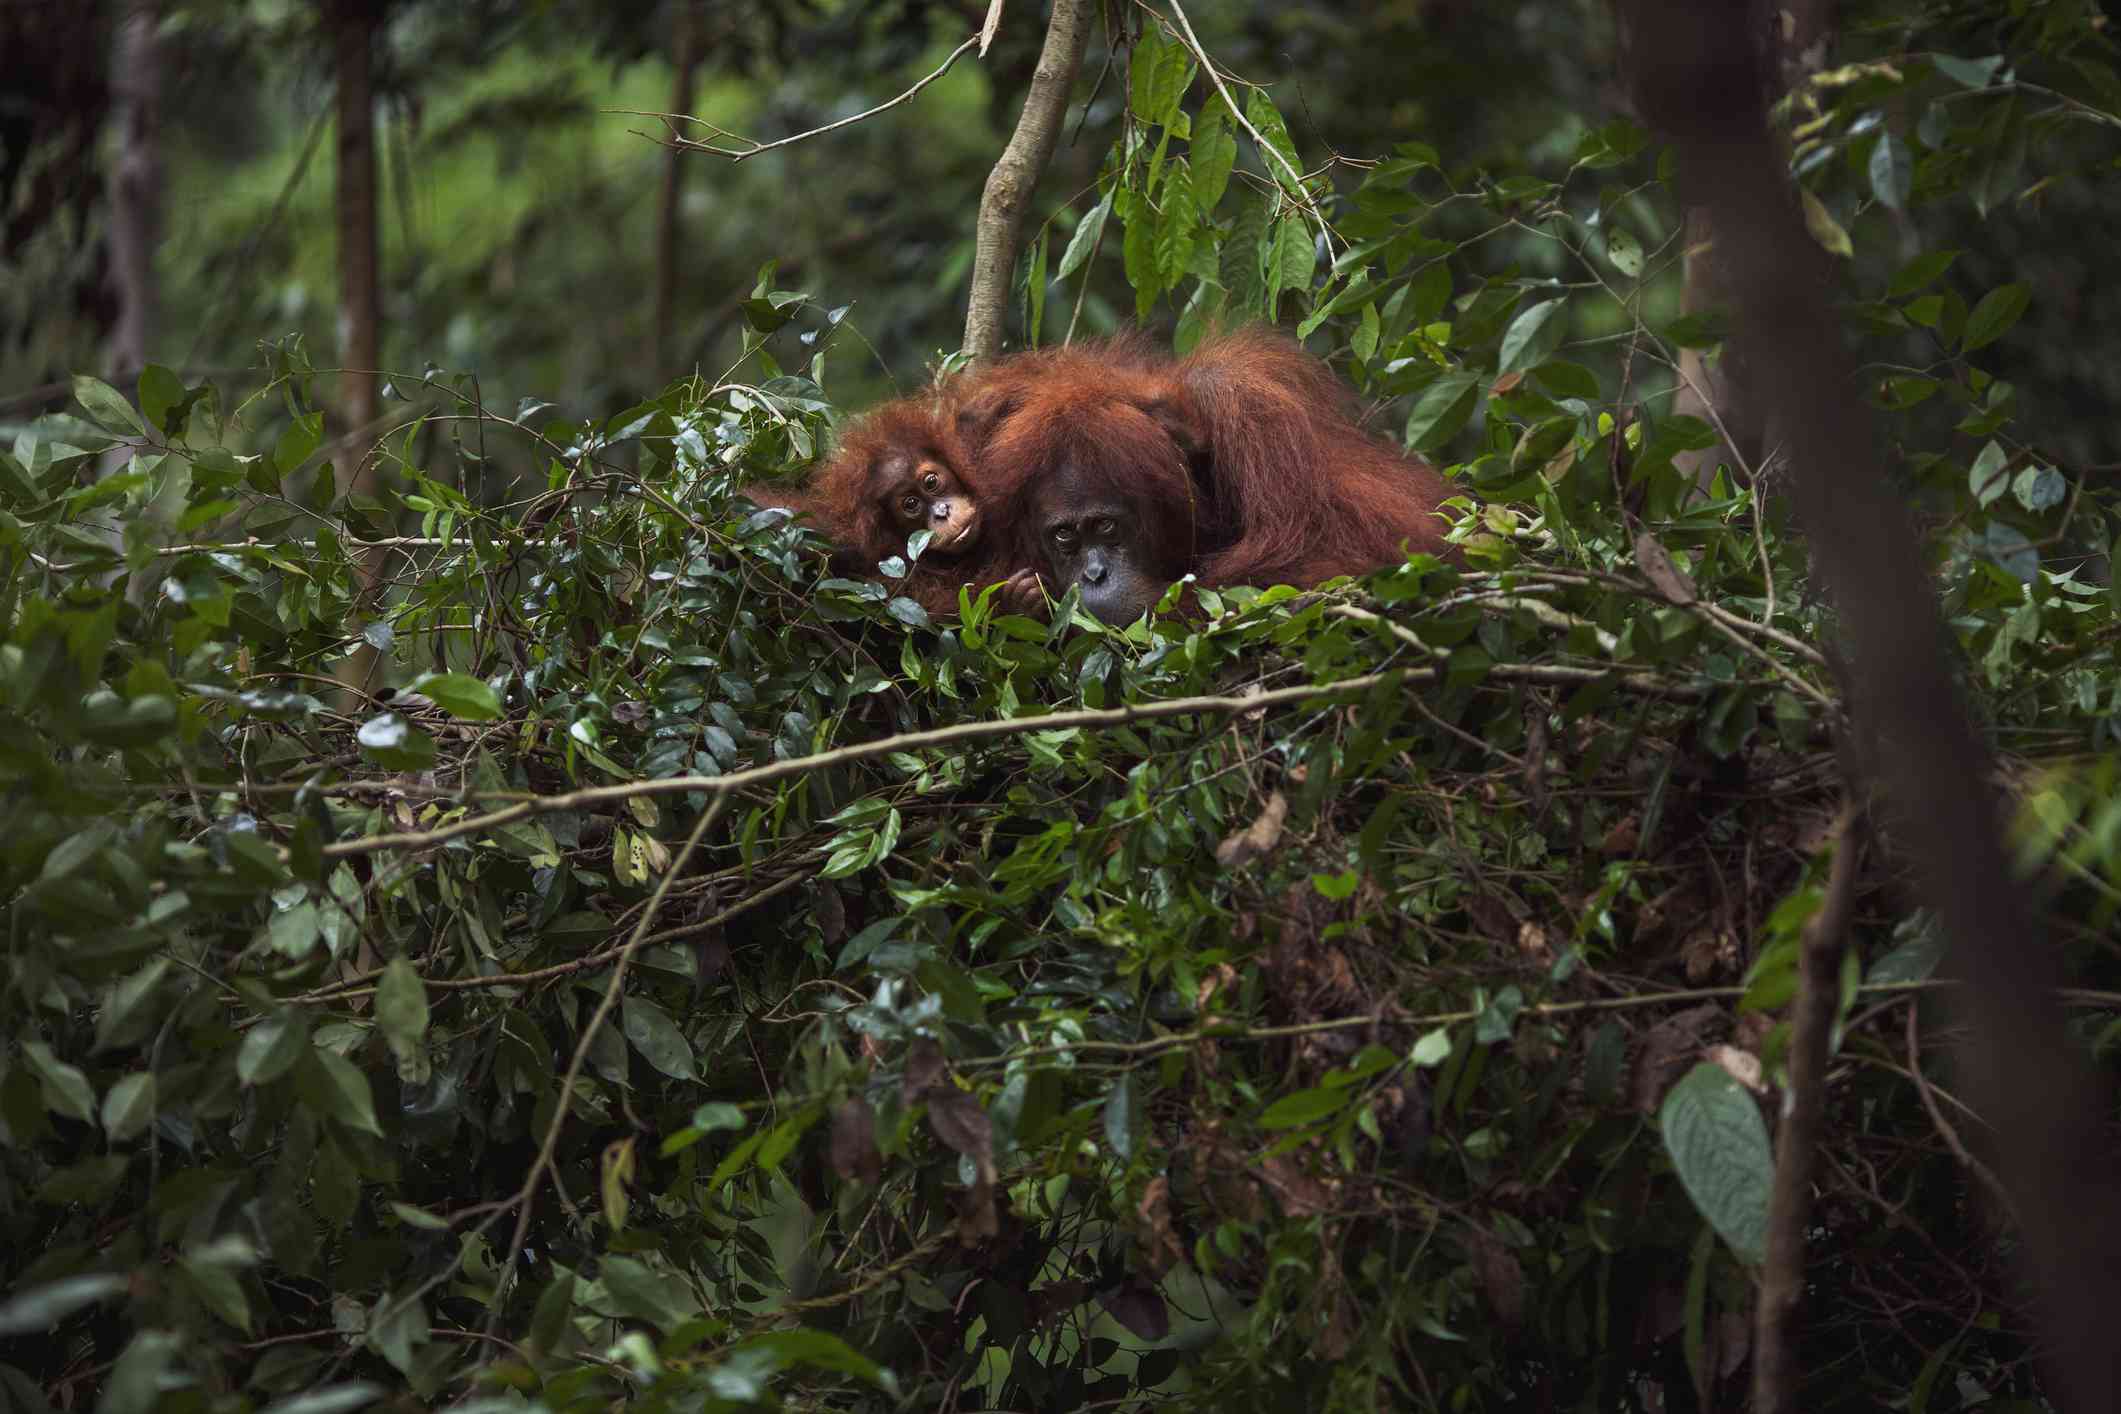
(1015, 176)
(1775, 1369)
(752, 147)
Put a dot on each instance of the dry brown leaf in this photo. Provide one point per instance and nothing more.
(1657, 566)
(1257, 838)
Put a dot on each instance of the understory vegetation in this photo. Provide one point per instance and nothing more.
(700, 982)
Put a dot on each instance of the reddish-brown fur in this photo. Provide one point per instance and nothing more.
(1246, 455)
(843, 500)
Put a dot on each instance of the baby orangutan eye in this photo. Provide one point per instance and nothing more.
(931, 483)
(911, 505)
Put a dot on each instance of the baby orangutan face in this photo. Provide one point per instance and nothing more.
(918, 492)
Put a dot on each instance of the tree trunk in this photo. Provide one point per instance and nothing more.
(1791, 39)
(1699, 83)
(1015, 177)
(685, 62)
(354, 24)
(133, 188)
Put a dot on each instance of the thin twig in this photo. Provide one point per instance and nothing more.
(564, 1101)
(1298, 192)
(686, 144)
(1825, 942)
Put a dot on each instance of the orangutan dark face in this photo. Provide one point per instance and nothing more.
(1089, 536)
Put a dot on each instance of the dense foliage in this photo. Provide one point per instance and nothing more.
(697, 983)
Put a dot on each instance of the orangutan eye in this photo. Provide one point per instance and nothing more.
(1104, 526)
(911, 505)
(1064, 538)
(931, 483)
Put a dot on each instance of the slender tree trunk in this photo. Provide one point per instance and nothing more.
(1015, 177)
(133, 188)
(2047, 1112)
(1791, 37)
(354, 25)
(133, 194)
(684, 62)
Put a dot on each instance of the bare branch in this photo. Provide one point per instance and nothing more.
(1775, 1374)
(1016, 173)
(752, 147)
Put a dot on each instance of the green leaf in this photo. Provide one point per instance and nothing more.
(401, 1007)
(1213, 153)
(65, 1087)
(1336, 886)
(1034, 313)
(219, 1287)
(1986, 477)
(1303, 1107)
(2039, 488)
(1532, 336)
(160, 390)
(1920, 271)
(1999, 309)
(1719, 1147)
(129, 1106)
(1563, 379)
(1292, 259)
(1623, 251)
(1267, 121)
(1138, 248)
(134, 1385)
(658, 1039)
(1085, 239)
(297, 442)
(271, 1048)
(821, 1350)
(1824, 228)
(331, 1399)
(1176, 227)
(392, 741)
(1433, 1049)
(1892, 171)
(107, 407)
(41, 1308)
(1968, 73)
(1121, 1102)
(458, 694)
(332, 1085)
(1442, 410)
(1158, 73)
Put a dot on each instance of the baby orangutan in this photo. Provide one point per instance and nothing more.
(901, 469)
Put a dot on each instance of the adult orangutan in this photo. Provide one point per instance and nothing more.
(1242, 462)
(900, 469)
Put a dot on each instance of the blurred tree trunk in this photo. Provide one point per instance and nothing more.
(684, 63)
(2048, 1114)
(133, 188)
(353, 31)
(1790, 37)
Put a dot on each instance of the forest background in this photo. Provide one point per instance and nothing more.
(1490, 987)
